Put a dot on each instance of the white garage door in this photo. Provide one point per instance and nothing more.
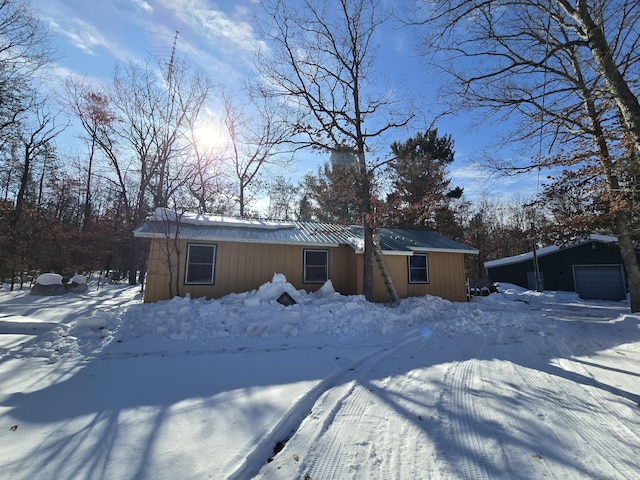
(602, 282)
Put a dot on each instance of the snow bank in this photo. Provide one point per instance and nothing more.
(257, 314)
(325, 312)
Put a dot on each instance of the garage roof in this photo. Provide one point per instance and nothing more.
(541, 252)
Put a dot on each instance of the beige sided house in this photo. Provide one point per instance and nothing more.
(218, 255)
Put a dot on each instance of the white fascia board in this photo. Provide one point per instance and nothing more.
(409, 253)
(472, 251)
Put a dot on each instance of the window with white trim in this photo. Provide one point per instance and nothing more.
(200, 265)
(418, 268)
(316, 266)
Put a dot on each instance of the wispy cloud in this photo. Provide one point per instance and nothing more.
(229, 33)
(83, 35)
(478, 181)
(141, 4)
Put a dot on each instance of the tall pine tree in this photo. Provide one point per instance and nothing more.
(328, 196)
(418, 174)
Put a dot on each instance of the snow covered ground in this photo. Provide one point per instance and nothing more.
(515, 385)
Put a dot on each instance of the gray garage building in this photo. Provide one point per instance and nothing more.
(593, 268)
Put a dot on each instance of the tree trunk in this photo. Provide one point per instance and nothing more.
(626, 101)
(629, 259)
(367, 273)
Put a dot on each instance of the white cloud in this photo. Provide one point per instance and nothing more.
(83, 35)
(477, 181)
(143, 5)
(233, 36)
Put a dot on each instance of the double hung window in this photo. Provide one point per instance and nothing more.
(200, 267)
(316, 266)
(418, 268)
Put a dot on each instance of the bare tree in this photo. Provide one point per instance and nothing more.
(92, 110)
(256, 130)
(34, 143)
(208, 183)
(323, 66)
(282, 198)
(568, 72)
(24, 50)
(146, 136)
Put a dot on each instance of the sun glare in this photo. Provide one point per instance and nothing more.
(210, 137)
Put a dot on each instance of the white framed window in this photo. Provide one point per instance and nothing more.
(418, 268)
(200, 265)
(316, 266)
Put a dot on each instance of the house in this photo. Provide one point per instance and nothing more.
(592, 267)
(213, 256)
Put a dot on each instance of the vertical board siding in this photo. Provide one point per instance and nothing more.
(242, 267)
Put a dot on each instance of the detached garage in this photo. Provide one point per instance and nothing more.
(593, 268)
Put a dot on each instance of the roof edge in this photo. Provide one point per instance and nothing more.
(548, 250)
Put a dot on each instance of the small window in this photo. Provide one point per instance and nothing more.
(316, 266)
(201, 261)
(418, 268)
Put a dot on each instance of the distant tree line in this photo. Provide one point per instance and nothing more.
(565, 72)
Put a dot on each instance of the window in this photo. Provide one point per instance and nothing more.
(201, 261)
(316, 266)
(418, 268)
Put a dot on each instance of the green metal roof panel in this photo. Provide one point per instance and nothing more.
(409, 239)
(214, 228)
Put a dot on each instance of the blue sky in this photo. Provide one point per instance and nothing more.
(92, 36)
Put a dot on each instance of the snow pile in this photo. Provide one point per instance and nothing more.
(79, 279)
(325, 312)
(257, 314)
(49, 279)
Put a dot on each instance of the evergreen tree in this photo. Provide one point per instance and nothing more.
(329, 197)
(418, 172)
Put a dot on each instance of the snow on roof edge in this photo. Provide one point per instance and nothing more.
(164, 214)
(540, 252)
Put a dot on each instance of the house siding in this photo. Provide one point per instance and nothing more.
(446, 277)
(242, 267)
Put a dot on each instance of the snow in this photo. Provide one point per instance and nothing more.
(49, 279)
(166, 214)
(79, 279)
(519, 384)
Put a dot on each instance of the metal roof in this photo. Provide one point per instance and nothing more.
(399, 241)
(402, 239)
(548, 250)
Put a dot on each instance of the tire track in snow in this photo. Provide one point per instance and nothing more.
(593, 398)
(329, 434)
(471, 456)
(328, 460)
(575, 418)
(359, 407)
